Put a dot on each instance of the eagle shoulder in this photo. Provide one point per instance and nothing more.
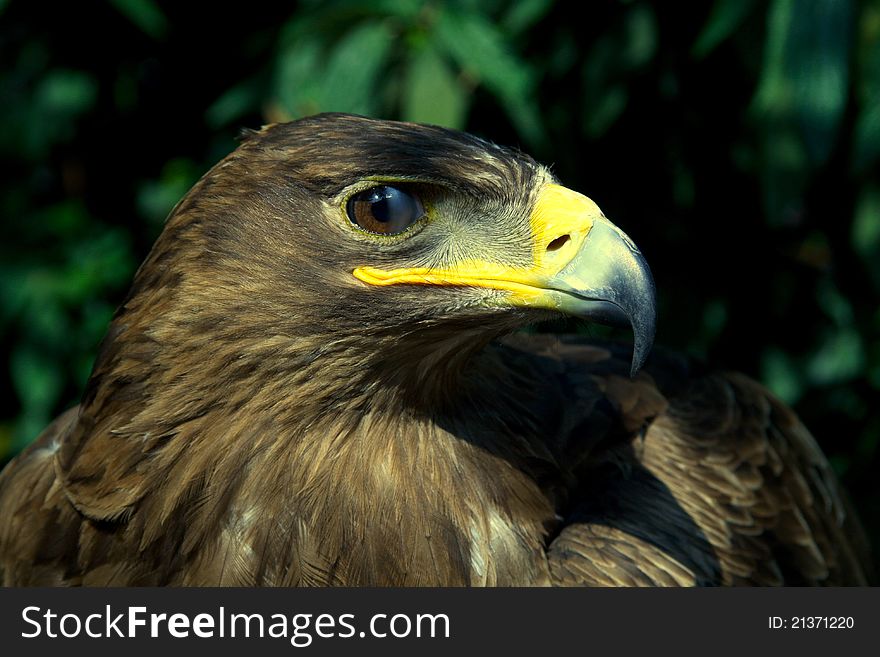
(717, 484)
(39, 529)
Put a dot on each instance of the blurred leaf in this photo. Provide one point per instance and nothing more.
(806, 68)
(801, 96)
(42, 314)
(725, 19)
(564, 56)
(480, 50)
(714, 318)
(298, 77)
(605, 110)
(145, 14)
(38, 384)
(774, 88)
(102, 262)
(865, 235)
(784, 158)
(234, 103)
(345, 79)
(609, 65)
(640, 37)
(781, 375)
(866, 143)
(432, 93)
(156, 198)
(834, 304)
(350, 79)
(840, 357)
(66, 92)
(59, 97)
(65, 220)
(12, 293)
(524, 14)
(867, 136)
(820, 42)
(348, 10)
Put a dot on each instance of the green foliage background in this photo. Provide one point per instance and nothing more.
(737, 141)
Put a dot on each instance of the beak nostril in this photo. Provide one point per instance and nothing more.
(558, 243)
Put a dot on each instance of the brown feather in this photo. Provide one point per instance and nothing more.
(256, 416)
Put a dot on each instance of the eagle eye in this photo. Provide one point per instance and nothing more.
(385, 210)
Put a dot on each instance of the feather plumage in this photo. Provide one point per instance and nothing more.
(258, 417)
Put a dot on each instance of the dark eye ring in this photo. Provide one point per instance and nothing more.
(384, 210)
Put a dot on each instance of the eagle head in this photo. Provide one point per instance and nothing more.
(401, 249)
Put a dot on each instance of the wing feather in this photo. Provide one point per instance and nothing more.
(723, 486)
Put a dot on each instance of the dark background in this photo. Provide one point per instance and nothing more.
(736, 141)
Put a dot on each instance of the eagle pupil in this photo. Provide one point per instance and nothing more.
(385, 210)
(381, 204)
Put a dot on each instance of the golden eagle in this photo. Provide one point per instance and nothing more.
(314, 381)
